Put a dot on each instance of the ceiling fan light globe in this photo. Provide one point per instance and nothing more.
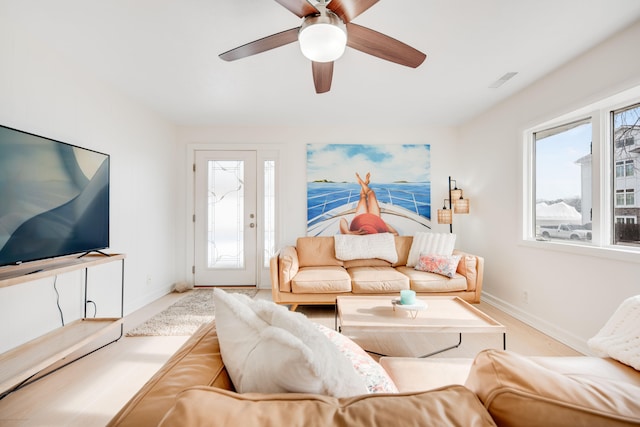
(322, 38)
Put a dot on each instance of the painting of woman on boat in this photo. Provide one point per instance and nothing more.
(365, 189)
(367, 218)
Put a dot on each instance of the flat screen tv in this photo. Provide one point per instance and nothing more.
(54, 198)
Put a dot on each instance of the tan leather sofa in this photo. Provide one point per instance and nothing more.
(499, 388)
(194, 389)
(521, 391)
(309, 273)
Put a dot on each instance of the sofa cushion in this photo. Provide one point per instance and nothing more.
(379, 245)
(268, 349)
(411, 374)
(368, 280)
(197, 362)
(523, 391)
(317, 251)
(430, 243)
(205, 406)
(596, 366)
(423, 281)
(321, 280)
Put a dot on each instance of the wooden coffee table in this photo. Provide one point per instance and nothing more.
(443, 314)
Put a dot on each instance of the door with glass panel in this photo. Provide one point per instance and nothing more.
(226, 218)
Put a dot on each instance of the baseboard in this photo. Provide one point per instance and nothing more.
(565, 337)
(145, 299)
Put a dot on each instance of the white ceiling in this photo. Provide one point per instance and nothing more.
(163, 53)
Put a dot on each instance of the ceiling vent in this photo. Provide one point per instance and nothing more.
(502, 80)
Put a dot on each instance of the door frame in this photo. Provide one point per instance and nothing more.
(263, 152)
(242, 268)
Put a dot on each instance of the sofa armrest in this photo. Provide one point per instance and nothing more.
(284, 265)
(472, 268)
(526, 391)
(197, 363)
(274, 274)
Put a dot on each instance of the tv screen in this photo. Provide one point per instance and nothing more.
(54, 198)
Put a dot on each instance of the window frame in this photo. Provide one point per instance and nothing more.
(603, 180)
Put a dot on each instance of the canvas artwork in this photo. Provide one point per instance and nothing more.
(365, 189)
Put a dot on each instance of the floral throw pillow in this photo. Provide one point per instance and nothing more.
(376, 378)
(439, 264)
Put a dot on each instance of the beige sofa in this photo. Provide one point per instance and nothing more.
(194, 389)
(500, 388)
(521, 391)
(309, 273)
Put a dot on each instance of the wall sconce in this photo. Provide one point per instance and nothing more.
(460, 205)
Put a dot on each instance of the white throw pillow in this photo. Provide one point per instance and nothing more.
(430, 243)
(239, 329)
(336, 374)
(619, 338)
(380, 245)
(281, 351)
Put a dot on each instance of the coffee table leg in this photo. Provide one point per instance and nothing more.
(504, 340)
(444, 349)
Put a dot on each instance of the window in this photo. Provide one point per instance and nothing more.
(626, 220)
(582, 178)
(624, 168)
(625, 197)
(269, 211)
(562, 182)
(625, 128)
(624, 142)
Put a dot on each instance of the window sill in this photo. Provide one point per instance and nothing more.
(617, 253)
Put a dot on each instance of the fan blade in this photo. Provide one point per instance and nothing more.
(261, 45)
(349, 9)
(377, 44)
(301, 8)
(322, 76)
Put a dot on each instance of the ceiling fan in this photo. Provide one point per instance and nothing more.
(325, 32)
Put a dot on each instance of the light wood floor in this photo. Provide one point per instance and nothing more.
(92, 390)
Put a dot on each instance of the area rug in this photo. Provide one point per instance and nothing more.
(185, 316)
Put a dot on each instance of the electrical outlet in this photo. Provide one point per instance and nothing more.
(525, 297)
(148, 279)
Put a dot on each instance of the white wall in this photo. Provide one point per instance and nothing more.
(570, 295)
(292, 142)
(43, 93)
